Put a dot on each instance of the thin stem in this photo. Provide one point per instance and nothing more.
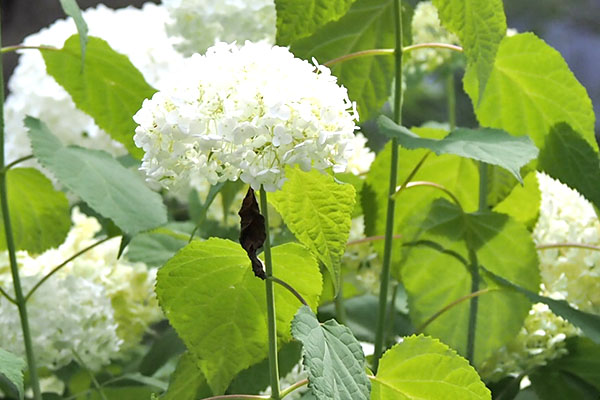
(288, 287)
(295, 386)
(452, 305)
(567, 245)
(389, 225)
(370, 239)
(61, 265)
(359, 54)
(17, 161)
(237, 397)
(429, 184)
(418, 46)
(8, 49)
(340, 309)
(10, 245)
(8, 296)
(451, 97)
(391, 313)
(483, 187)
(273, 362)
(92, 377)
(412, 173)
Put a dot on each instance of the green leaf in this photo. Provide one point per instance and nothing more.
(318, 211)
(588, 323)
(39, 215)
(12, 367)
(424, 368)
(480, 25)
(211, 297)
(298, 19)
(433, 279)
(491, 146)
(530, 90)
(110, 89)
(567, 157)
(333, 358)
(98, 179)
(523, 202)
(367, 25)
(187, 382)
(71, 8)
(156, 247)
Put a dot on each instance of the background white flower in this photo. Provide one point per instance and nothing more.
(96, 305)
(199, 24)
(244, 112)
(138, 33)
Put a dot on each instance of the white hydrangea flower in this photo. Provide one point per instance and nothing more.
(244, 112)
(98, 305)
(361, 157)
(199, 24)
(570, 274)
(426, 28)
(138, 33)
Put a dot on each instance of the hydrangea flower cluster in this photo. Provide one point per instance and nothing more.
(138, 33)
(95, 307)
(570, 274)
(244, 112)
(426, 28)
(361, 157)
(199, 24)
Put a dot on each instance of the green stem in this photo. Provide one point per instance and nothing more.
(8, 49)
(289, 287)
(389, 226)
(17, 161)
(567, 245)
(370, 239)
(451, 96)
(295, 386)
(340, 309)
(273, 362)
(391, 314)
(10, 245)
(237, 397)
(91, 375)
(429, 184)
(418, 46)
(359, 54)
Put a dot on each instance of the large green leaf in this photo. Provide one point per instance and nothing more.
(367, 25)
(109, 88)
(492, 146)
(39, 214)
(318, 211)
(217, 306)
(457, 174)
(480, 25)
(297, 19)
(523, 202)
(187, 382)
(424, 368)
(333, 358)
(588, 323)
(98, 179)
(434, 279)
(530, 90)
(11, 368)
(567, 157)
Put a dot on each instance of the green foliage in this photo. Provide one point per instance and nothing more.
(11, 368)
(71, 8)
(424, 368)
(367, 25)
(298, 19)
(318, 211)
(333, 358)
(187, 382)
(434, 279)
(566, 156)
(109, 88)
(588, 323)
(491, 146)
(98, 179)
(39, 214)
(156, 247)
(523, 202)
(480, 25)
(530, 90)
(216, 304)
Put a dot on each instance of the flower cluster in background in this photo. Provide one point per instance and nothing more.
(138, 33)
(199, 24)
(244, 112)
(570, 274)
(93, 309)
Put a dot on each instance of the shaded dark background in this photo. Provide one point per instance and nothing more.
(572, 27)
